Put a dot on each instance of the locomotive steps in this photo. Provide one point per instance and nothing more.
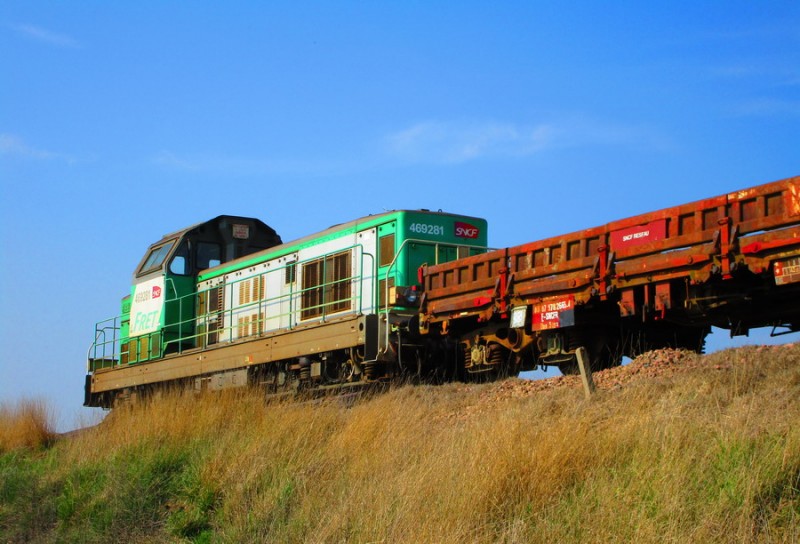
(673, 447)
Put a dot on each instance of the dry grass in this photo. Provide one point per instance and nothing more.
(711, 455)
(29, 424)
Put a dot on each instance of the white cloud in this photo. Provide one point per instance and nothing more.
(767, 71)
(778, 79)
(430, 142)
(457, 142)
(768, 107)
(452, 142)
(247, 166)
(171, 160)
(13, 146)
(46, 36)
(780, 30)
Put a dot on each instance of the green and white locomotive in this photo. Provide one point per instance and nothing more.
(225, 303)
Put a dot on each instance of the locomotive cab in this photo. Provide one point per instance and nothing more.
(158, 315)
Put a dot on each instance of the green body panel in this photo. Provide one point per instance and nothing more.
(178, 318)
(176, 326)
(432, 239)
(125, 325)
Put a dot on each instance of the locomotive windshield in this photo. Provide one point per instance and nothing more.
(156, 257)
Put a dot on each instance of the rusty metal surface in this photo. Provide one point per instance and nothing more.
(695, 242)
(466, 284)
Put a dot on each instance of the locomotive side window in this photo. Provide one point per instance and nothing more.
(180, 262)
(327, 285)
(178, 265)
(156, 257)
(208, 255)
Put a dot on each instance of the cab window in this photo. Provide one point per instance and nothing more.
(156, 257)
(208, 255)
(180, 262)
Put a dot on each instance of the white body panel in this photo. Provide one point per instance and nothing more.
(259, 299)
(147, 306)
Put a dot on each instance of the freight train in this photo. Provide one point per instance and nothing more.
(418, 295)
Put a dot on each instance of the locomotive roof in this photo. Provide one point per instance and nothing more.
(190, 228)
(294, 245)
(260, 235)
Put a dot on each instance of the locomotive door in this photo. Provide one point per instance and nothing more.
(289, 302)
(386, 263)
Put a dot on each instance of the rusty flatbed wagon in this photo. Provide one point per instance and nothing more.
(654, 280)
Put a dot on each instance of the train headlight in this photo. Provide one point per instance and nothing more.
(518, 315)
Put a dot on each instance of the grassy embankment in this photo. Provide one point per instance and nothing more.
(711, 455)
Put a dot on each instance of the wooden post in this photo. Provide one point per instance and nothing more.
(586, 371)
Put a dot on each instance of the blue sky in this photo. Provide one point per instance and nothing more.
(120, 122)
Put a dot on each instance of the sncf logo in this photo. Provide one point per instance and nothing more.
(465, 230)
(156, 291)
